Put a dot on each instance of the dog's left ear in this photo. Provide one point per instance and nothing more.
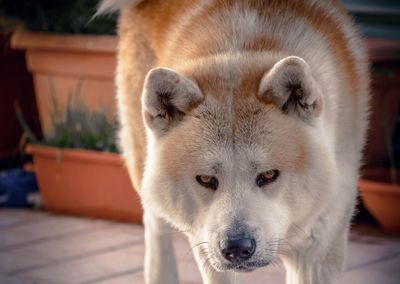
(167, 97)
(291, 86)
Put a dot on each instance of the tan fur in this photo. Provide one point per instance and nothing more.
(135, 60)
(238, 88)
(169, 12)
(144, 32)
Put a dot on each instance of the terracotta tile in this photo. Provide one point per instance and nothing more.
(52, 228)
(17, 260)
(22, 213)
(382, 272)
(73, 250)
(68, 248)
(13, 217)
(14, 280)
(89, 268)
(373, 235)
(132, 278)
(360, 254)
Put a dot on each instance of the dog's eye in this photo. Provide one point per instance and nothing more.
(208, 181)
(267, 177)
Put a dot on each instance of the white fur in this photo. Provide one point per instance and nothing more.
(303, 217)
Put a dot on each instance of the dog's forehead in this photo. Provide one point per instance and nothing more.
(234, 121)
(233, 126)
(232, 110)
(255, 138)
(241, 129)
(232, 77)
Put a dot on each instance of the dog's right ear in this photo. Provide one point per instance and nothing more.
(167, 96)
(291, 86)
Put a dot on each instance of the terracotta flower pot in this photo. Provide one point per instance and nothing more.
(382, 198)
(87, 183)
(59, 63)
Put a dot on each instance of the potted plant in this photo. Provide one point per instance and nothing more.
(379, 22)
(63, 42)
(77, 167)
(379, 186)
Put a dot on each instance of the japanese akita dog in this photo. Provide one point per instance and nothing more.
(242, 125)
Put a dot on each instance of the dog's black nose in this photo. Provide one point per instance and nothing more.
(238, 249)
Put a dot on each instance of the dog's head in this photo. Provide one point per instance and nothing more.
(236, 158)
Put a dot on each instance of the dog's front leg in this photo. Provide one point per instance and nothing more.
(309, 266)
(208, 273)
(160, 264)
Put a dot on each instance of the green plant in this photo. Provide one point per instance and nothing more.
(75, 125)
(58, 16)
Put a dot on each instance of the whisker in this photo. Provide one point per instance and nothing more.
(196, 245)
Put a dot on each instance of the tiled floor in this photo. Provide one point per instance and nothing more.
(37, 247)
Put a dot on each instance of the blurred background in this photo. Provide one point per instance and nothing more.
(58, 156)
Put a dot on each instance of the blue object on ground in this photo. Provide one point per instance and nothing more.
(15, 187)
